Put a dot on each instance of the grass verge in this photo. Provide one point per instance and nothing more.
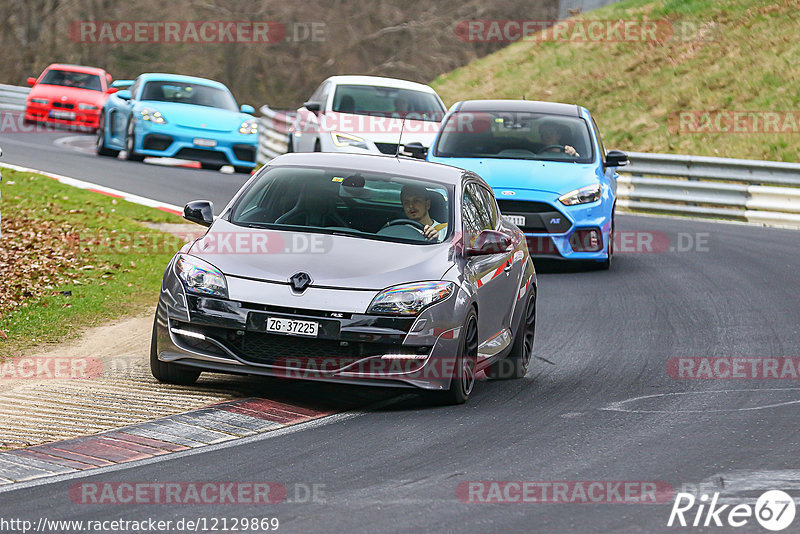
(723, 56)
(71, 259)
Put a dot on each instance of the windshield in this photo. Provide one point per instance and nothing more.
(349, 202)
(387, 102)
(515, 135)
(189, 93)
(68, 78)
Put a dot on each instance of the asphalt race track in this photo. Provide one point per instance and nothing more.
(597, 405)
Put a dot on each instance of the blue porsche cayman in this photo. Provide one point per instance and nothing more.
(547, 167)
(169, 115)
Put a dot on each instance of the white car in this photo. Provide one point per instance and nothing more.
(365, 115)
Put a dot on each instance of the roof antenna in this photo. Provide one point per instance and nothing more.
(402, 125)
(523, 97)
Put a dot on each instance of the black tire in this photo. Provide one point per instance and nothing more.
(463, 382)
(130, 142)
(290, 145)
(515, 365)
(100, 141)
(170, 373)
(317, 146)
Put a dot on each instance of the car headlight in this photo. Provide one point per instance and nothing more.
(152, 115)
(343, 139)
(584, 195)
(200, 276)
(249, 126)
(87, 106)
(410, 299)
(43, 101)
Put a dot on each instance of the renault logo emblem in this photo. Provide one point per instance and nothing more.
(300, 281)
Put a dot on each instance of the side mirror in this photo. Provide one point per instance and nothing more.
(415, 150)
(124, 94)
(200, 212)
(313, 107)
(111, 90)
(489, 242)
(31, 81)
(616, 158)
(247, 108)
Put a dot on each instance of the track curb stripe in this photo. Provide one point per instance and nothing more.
(211, 425)
(101, 189)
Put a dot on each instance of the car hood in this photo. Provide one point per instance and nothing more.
(381, 129)
(550, 176)
(330, 260)
(67, 94)
(201, 117)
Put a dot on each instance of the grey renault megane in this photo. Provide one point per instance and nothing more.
(351, 268)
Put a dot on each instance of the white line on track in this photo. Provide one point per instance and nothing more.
(619, 405)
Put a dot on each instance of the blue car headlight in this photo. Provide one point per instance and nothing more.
(200, 276)
(584, 195)
(249, 126)
(152, 115)
(410, 299)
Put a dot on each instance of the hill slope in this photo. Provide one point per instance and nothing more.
(724, 56)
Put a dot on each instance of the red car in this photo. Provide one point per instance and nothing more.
(70, 95)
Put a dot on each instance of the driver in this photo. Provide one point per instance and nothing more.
(552, 133)
(416, 203)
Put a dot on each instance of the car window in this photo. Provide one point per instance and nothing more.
(517, 135)
(68, 78)
(476, 215)
(346, 201)
(135, 87)
(323, 95)
(599, 140)
(188, 93)
(489, 204)
(387, 102)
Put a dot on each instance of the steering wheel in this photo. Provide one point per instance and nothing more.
(416, 224)
(562, 148)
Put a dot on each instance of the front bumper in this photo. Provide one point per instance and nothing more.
(166, 140)
(73, 118)
(552, 230)
(229, 336)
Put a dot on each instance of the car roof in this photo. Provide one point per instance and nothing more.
(165, 77)
(380, 81)
(533, 106)
(409, 167)
(77, 68)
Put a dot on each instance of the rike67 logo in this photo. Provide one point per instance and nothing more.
(774, 510)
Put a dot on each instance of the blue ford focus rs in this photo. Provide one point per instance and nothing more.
(547, 167)
(169, 115)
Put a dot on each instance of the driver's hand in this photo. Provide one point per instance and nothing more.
(571, 151)
(430, 232)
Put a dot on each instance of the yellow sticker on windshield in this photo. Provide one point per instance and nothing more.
(337, 179)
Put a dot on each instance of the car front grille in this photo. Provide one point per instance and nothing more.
(63, 105)
(204, 156)
(540, 217)
(156, 142)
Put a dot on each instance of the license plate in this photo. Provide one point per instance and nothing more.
(56, 114)
(519, 220)
(293, 327)
(204, 142)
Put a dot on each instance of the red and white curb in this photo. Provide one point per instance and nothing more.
(213, 425)
(174, 162)
(103, 190)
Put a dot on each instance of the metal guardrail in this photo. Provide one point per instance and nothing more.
(12, 97)
(273, 128)
(764, 192)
